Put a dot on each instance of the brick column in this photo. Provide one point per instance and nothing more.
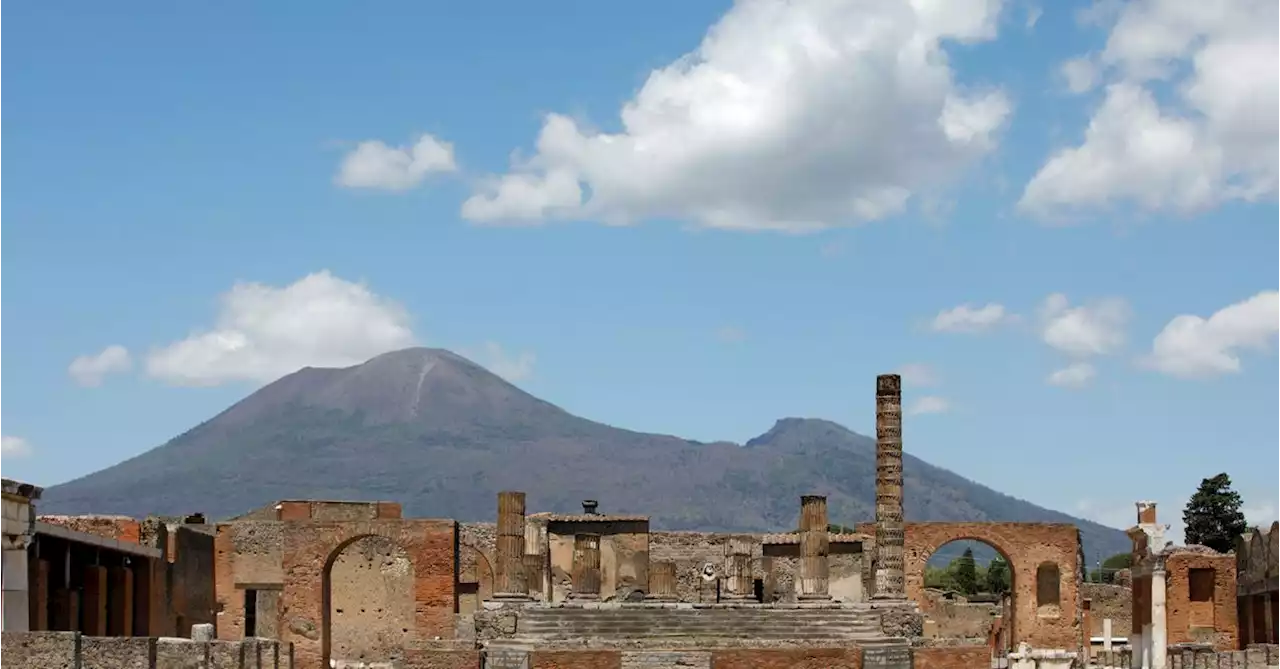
(120, 601)
(586, 566)
(39, 595)
(1087, 623)
(95, 601)
(814, 548)
(64, 609)
(890, 530)
(509, 578)
(662, 582)
(738, 564)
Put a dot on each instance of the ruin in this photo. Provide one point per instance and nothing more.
(313, 583)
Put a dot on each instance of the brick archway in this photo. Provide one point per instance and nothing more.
(1026, 546)
(311, 546)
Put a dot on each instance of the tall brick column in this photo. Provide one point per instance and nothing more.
(741, 585)
(662, 582)
(814, 548)
(94, 604)
(586, 566)
(509, 581)
(890, 530)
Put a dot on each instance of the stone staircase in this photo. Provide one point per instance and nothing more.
(699, 626)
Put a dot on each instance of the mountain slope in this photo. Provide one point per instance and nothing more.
(442, 435)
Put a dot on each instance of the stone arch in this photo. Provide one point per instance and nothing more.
(1257, 566)
(375, 578)
(941, 610)
(475, 578)
(1025, 546)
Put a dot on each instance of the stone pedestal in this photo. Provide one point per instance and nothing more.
(814, 578)
(662, 582)
(19, 529)
(586, 567)
(509, 582)
(890, 529)
(739, 583)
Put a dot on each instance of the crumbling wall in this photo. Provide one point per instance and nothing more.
(56, 650)
(1109, 601)
(624, 556)
(248, 555)
(1211, 620)
(190, 579)
(962, 620)
(120, 528)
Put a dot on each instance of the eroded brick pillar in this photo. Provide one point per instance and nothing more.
(94, 602)
(662, 582)
(738, 566)
(38, 581)
(509, 574)
(64, 609)
(120, 601)
(890, 530)
(586, 566)
(814, 548)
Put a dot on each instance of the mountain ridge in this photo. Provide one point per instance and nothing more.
(442, 435)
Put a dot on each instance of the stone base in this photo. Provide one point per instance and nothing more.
(813, 598)
(511, 597)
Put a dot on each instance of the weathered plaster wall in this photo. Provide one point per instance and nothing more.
(371, 602)
(248, 555)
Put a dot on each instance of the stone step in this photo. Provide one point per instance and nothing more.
(604, 630)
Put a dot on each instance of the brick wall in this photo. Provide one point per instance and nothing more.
(1212, 621)
(951, 657)
(120, 528)
(787, 658)
(576, 659)
(49, 650)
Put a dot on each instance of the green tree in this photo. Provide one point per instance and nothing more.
(965, 573)
(1212, 517)
(1111, 565)
(998, 578)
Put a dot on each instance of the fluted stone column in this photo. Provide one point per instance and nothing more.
(662, 582)
(890, 530)
(586, 566)
(738, 567)
(814, 548)
(509, 573)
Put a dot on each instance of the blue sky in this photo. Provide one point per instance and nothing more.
(695, 246)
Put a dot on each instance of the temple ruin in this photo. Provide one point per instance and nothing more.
(309, 584)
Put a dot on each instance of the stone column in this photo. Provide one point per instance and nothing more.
(1159, 632)
(1106, 634)
(1087, 622)
(17, 605)
(586, 566)
(814, 548)
(509, 577)
(890, 530)
(738, 567)
(662, 582)
(536, 570)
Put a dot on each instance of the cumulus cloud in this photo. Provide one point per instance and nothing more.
(1194, 347)
(89, 370)
(14, 447)
(1094, 328)
(263, 332)
(970, 318)
(790, 115)
(1213, 140)
(375, 165)
(929, 404)
(918, 374)
(1075, 375)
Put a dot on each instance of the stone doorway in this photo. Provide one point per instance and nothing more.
(368, 603)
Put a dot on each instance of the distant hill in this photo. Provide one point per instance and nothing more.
(442, 435)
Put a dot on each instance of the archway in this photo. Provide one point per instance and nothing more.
(368, 607)
(475, 579)
(968, 592)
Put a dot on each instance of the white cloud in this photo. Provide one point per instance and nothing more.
(518, 367)
(1033, 17)
(1095, 328)
(1214, 140)
(375, 165)
(1075, 375)
(1191, 346)
(14, 447)
(1264, 513)
(788, 116)
(929, 404)
(263, 332)
(89, 370)
(918, 374)
(970, 318)
(731, 335)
